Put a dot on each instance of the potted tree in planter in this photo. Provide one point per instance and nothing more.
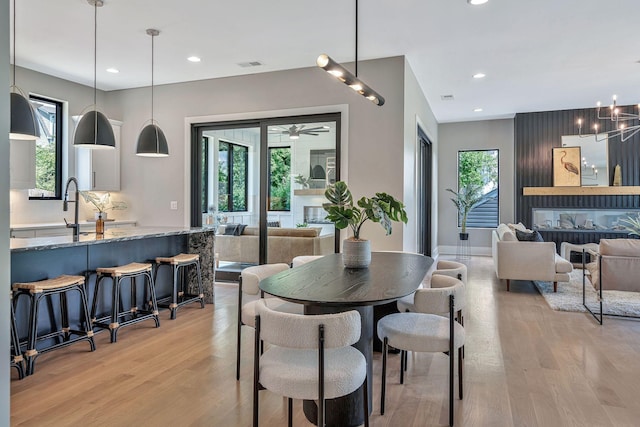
(465, 199)
(382, 208)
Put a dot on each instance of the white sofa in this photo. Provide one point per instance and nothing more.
(516, 260)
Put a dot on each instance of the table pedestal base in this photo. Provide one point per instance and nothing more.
(347, 411)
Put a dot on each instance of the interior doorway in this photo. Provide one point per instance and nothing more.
(425, 184)
(267, 177)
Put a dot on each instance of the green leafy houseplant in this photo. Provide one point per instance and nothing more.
(632, 225)
(381, 208)
(465, 200)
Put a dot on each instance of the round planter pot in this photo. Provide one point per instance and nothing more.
(464, 236)
(356, 253)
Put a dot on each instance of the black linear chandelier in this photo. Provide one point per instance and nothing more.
(339, 72)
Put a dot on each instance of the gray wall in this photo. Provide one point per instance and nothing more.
(77, 98)
(374, 141)
(4, 216)
(487, 134)
(417, 112)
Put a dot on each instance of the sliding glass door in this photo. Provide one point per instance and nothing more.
(261, 183)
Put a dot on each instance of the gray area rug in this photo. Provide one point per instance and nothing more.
(569, 297)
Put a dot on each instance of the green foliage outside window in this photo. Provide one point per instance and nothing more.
(280, 183)
(477, 177)
(46, 168)
(232, 177)
(48, 150)
(478, 169)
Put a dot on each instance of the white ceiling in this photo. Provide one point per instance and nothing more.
(538, 55)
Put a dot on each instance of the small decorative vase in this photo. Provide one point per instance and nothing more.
(617, 176)
(99, 224)
(356, 253)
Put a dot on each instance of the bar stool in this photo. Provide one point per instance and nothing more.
(61, 286)
(180, 295)
(135, 314)
(17, 361)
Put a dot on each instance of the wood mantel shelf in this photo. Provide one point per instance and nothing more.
(624, 190)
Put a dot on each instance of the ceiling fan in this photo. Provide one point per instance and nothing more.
(294, 131)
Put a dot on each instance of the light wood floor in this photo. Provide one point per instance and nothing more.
(525, 365)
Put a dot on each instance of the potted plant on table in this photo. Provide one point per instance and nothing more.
(382, 208)
(465, 200)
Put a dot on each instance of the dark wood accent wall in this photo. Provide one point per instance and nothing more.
(535, 136)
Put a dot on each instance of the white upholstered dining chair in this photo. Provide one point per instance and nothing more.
(308, 357)
(248, 286)
(425, 330)
(443, 267)
(303, 259)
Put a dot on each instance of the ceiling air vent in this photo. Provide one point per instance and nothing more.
(446, 97)
(250, 64)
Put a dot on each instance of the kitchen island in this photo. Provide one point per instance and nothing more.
(40, 258)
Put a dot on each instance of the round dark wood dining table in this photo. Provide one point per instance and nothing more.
(326, 286)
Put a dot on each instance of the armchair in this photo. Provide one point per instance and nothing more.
(615, 266)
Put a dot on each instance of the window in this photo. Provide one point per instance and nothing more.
(478, 172)
(48, 149)
(280, 178)
(232, 177)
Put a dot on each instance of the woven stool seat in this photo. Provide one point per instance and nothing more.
(132, 268)
(49, 284)
(178, 259)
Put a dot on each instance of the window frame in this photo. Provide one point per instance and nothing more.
(230, 168)
(58, 145)
(497, 182)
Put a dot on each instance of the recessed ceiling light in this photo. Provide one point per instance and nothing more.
(113, 70)
(477, 110)
(479, 76)
(193, 59)
(477, 2)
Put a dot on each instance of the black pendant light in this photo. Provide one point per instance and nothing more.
(342, 74)
(94, 129)
(24, 125)
(151, 141)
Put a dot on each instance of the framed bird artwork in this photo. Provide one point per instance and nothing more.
(566, 167)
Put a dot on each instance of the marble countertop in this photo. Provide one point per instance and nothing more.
(110, 235)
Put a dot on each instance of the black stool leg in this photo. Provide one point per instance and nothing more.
(88, 327)
(64, 313)
(173, 307)
(94, 303)
(154, 301)
(31, 352)
(113, 326)
(17, 360)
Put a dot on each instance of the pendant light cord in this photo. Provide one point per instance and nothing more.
(356, 38)
(152, 59)
(95, 53)
(14, 43)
